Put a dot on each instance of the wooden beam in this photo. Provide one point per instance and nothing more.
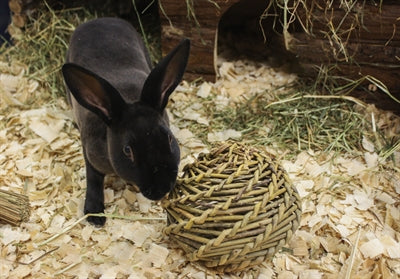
(200, 24)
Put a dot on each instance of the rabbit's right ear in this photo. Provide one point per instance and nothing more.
(93, 92)
(166, 76)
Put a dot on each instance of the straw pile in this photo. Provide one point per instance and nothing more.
(14, 207)
(233, 208)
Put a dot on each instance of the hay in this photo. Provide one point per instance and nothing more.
(41, 45)
(14, 208)
(295, 117)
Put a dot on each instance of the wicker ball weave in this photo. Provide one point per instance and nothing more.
(232, 209)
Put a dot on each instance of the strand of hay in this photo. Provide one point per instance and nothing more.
(232, 209)
(67, 229)
(14, 208)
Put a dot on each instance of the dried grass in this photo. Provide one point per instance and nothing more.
(297, 119)
(14, 207)
(43, 42)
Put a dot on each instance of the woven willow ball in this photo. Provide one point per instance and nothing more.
(232, 209)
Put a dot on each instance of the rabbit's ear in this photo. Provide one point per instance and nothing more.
(166, 76)
(93, 92)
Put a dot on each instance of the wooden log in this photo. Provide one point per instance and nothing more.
(199, 23)
(366, 42)
(358, 72)
(363, 52)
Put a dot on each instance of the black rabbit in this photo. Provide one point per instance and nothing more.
(119, 103)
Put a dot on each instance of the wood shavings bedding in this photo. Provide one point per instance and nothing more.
(350, 226)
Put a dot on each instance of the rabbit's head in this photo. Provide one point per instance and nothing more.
(141, 147)
(143, 150)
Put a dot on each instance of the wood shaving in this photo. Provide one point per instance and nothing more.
(351, 202)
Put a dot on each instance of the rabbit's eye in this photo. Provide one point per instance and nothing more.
(128, 152)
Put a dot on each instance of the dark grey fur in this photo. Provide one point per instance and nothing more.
(119, 103)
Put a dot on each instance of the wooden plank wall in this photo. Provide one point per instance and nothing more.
(201, 29)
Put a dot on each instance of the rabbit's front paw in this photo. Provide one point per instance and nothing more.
(93, 208)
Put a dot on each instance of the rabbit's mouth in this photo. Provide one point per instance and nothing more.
(153, 193)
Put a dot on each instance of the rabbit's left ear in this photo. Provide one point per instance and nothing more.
(166, 76)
